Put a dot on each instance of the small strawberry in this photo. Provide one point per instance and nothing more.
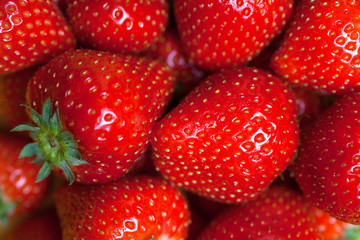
(329, 227)
(12, 95)
(327, 168)
(19, 194)
(118, 25)
(139, 207)
(218, 34)
(168, 48)
(321, 48)
(279, 213)
(107, 105)
(230, 137)
(43, 225)
(309, 105)
(31, 32)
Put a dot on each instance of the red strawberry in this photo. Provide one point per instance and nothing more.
(19, 194)
(118, 25)
(221, 34)
(309, 105)
(279, 213)
(230, 137)
(12, 94)
(170, 50)
(107, 106)
(327, 168)
(321, 48)
(140, 207)
(330, 228)
(44, 225)
(31, 32)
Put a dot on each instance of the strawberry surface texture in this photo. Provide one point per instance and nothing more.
(179, 119)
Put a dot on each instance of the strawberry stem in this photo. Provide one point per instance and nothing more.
(53, 146)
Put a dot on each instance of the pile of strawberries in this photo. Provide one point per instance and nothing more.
(179, 119)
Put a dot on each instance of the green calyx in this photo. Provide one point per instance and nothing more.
(5, 209)
(53, 146)
(352, 232)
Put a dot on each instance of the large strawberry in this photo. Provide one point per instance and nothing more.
(19, 193)
(118, 25)
(31, 32)
(321, 47)
(107, 106)
(230, 137)
(139, 207)
(328, 166)
(12, 95)
(220, 34)
(279, 213)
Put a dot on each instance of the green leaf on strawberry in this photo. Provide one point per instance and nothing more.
(53, 146)
(5, 208)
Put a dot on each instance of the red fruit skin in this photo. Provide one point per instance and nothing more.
(222, 140)
(327, 168)
(31, 32)
(329, 227)
(279, 213)
(321, 48)
(110, 104)
(12, 95)
(44, 225)
(168, 48)
(118, 25)
(18, 175)
(139, 207)
(309, 105)
(221, 34)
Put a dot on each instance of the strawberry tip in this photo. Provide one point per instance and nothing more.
(53, 146)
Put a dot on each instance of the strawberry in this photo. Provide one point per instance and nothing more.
(139, 207)
(321, 48)
(309, 105)
(31, 32)
(43, 225)
(19, 194)
(327, 168)
(118, 25)
(12, 95)
(168, 48)
(279, 213)
(329, 227)
(107, 105)
(230, 137)
(222, 33)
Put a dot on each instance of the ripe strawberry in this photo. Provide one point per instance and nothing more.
(230, 137)
(330, 228)
(321, 48)
(118, 25)
(309, 105)
(279, 213)
(107, 105)
(221, 34)
(12, 95)
(327, 168)
(168, 48)
(139, 207)
(43, 225)
(19, 194)
(31, 32)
